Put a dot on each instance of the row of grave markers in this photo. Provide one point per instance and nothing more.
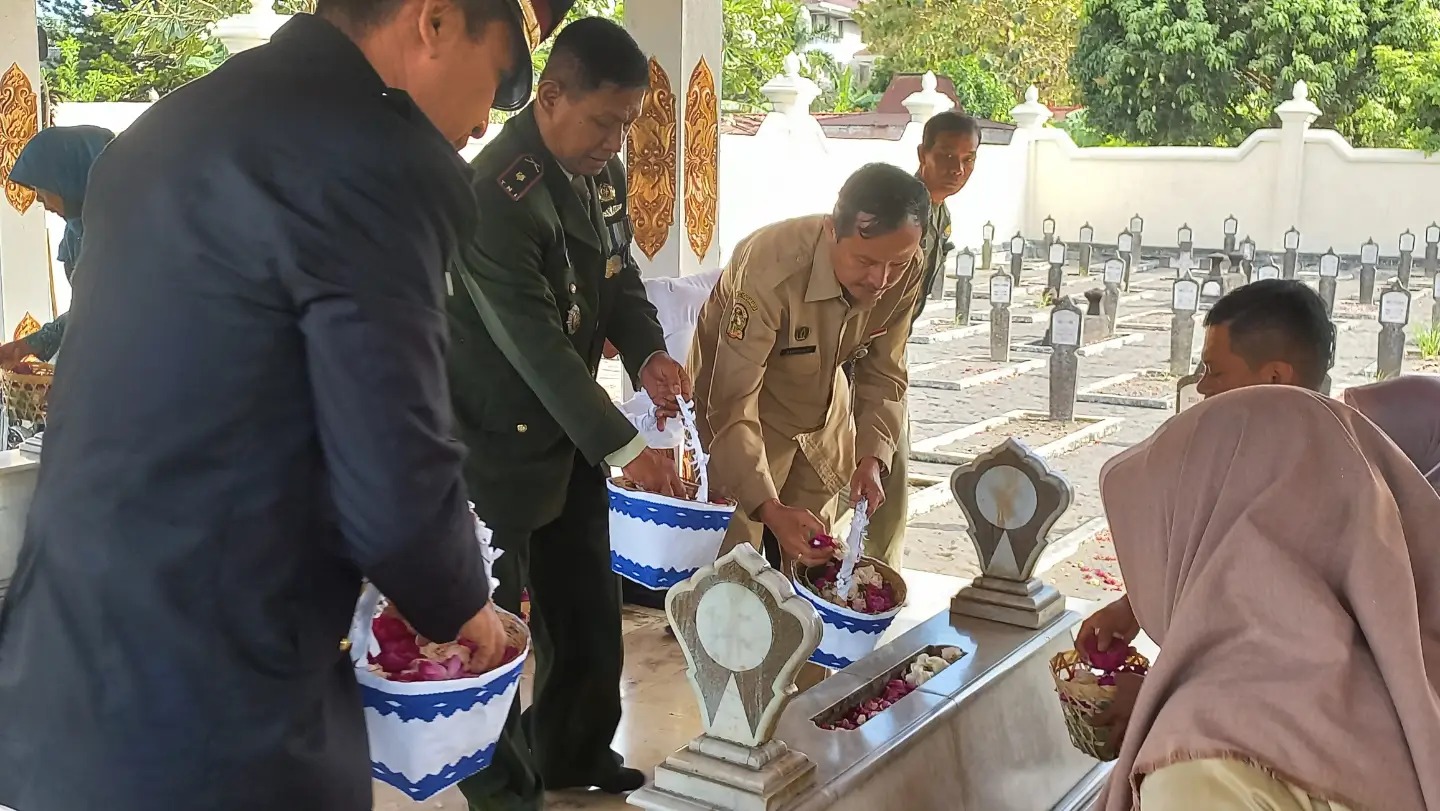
(1069, 327)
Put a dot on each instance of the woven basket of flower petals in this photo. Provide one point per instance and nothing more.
(26, 388)
(1085, 691)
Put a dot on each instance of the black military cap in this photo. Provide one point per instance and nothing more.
(537, 19)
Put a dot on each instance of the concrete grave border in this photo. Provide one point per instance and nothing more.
(927, 450)
(1119, 339)
(1014, 369)
(950, 334)
(1094, 393)
(1125, 320)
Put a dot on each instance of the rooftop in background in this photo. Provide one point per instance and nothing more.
(887, 121)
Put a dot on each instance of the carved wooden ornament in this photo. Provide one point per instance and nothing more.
(28, 326)
(652, 165)
(702, 159)
(745, 633)
(19, 121)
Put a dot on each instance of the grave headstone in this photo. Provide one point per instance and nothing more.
(745, 634)
(1394, 315)
(1184, 303)
(1094, 327)
(1056, 254)
(1011, 498)
(1110, 304)
(1329, 276)
(1125, 249)
(1002, 287)
(1267, 271)
(1232, 229)
(1132, 263)
(987, 247)
(1435, 302)
(1047, 234)
(1247, 258)
(1212, 288)
(1017, 258)
(1369, 258)
(1065, 335)
(1407, 257)
(1087, 244)
(1292, 252)
(964, 286)
(1432, 250)
(1185, 263)
(1187, 390)
(1185, 239)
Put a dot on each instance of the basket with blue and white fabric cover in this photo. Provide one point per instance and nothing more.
(658, 541)
(426, 736)
(847, 636)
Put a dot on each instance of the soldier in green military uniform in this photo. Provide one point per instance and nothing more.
(947, 159)
(548, 278)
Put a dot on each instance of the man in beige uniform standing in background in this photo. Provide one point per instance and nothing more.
(798, 300)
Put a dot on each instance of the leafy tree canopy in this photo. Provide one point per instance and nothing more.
(1212, 71)
(988, 47)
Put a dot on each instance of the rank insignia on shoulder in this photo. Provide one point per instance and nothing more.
(611, 210)
(612, 266)
(520, 178)
(606, 192)
(739, 320)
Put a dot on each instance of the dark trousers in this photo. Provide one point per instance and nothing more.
(563, 738)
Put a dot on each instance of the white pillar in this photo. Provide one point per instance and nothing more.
(1296, 116)
(26, 290)
(923, 106)
(673, 153)
(1030, 117)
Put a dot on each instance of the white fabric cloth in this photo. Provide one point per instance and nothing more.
(677, 303)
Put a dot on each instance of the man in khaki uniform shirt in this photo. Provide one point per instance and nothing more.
(798, 300)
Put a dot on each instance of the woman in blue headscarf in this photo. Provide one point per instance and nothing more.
(56, 163)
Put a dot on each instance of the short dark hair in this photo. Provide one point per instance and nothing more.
(1278, 319)
(879, 199)
(592, 52)
(359, 16)
(950, 121)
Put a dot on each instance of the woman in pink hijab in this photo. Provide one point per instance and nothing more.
(1286, 558)
(1407, 409)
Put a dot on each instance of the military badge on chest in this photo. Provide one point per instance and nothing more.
(572, 319)
(609, 207)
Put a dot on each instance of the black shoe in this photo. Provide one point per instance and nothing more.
(621, 781)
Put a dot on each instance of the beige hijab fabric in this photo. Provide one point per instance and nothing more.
(1286, 558)
(1407, 409)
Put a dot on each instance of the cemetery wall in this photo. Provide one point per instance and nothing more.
(1336, 195)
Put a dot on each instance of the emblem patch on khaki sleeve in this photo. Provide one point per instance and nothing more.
(739, 320)
(801, 333)
(519, 179)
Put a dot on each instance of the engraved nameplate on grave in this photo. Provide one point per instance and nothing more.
(1124, 249)
(1432, 251)
(1110, 304)
(1001, 288)
(1087, 245)
(1011, 498)
(1017, 258)
(1065, 322)
(1329, 276)
(1407, 253)
(1232, 228)
(964, 286)
(1369, 258)
(987, 246)
(1047, 233)
(1394, 314)
(1435, 302)
(1184, 302)
(1292, 252)
(1268, 271)
(1187, 391)
(1056, 281)
(1247, 258)
(1132, 263)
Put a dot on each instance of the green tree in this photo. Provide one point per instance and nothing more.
(1017, 42)
(1210, 72)
(758, 36)
(979, 91)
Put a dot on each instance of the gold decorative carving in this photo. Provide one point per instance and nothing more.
(651, 154)
(19, 120)
(28, 326)
(702, 159)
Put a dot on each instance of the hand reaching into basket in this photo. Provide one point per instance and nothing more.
(665, 381)
(488, 634)
(654, 472)
(13, 353)
(1114, 623)
(794, 527)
